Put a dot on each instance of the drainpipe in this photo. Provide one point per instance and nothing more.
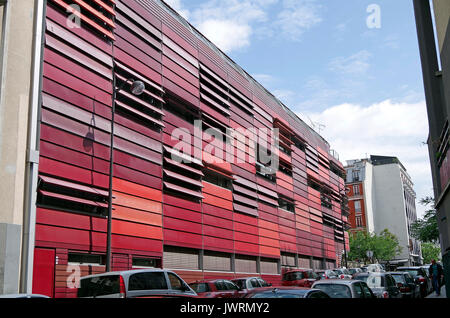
(32, 164)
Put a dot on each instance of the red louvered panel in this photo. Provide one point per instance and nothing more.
(78, 85)
(55, 17)
(73, 173)
(217, 211)
(63, 93)
(84, 18)
(175, 201)
(73, 157)
(183, 239)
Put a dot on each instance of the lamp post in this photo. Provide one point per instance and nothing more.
(136, 88)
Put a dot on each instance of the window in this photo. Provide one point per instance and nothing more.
(175, 282)
(366, 290)
(147, 281)
(99, 286)
(217, 179)
(359, 222)
(285, 167)
(230, 285)
(286, 205)
(254, 283)
(356, 190)
(335, 290)
(200, 287)
(355, 175)
(86, 259)
(358, 290)
(144, 262)
(357, 206)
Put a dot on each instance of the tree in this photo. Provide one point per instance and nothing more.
(426, 229)
(430, 251)
(385, 246)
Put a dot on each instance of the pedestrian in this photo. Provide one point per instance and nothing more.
(435, 271)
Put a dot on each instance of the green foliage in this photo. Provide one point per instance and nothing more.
(430, 251)
(384, 246)
(426, 229)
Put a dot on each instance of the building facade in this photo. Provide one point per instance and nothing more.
(381, 196)
(434, 44)
(100, 140)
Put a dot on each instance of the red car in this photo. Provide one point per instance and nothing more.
(300, 278)
(218, 288)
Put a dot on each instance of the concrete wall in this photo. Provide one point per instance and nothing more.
(16, 70)
(390, 206)
(369, 192)
(442, 14)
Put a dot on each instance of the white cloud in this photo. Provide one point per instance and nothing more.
(387, 128)
(297, 17)
(356, 64)
(231, 24)
(177, 6)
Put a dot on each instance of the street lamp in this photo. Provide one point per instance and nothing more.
(136, 88)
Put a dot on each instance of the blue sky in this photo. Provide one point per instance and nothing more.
(360, 87)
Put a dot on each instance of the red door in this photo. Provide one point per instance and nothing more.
(44, 272)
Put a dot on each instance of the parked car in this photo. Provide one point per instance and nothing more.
(343, 273)
(286, 292)
(326, 274)
(420, 277)
(407, 285)
(218, 288)
(383, 285)
(246, 284)
(23, 296)
(299, 278)
(375, 268)
(354, 271)
(134, 283)
(344, 288)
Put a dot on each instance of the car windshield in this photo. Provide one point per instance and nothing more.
(200, 287)
(399, 278)
(311, 275)
(240, 283)
(413, 272)
(335, 290)
(331, 273)
(352, 270)
(294, 276)
(373, 281)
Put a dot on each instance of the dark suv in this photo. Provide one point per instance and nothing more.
(420, 277)
(300, 277)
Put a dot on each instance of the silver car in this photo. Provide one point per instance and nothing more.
(134, 283)
(383, 285)
(344, 288)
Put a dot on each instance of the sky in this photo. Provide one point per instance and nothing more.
(350, 69)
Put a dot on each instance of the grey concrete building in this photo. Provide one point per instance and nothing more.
(385, 199)
(432, 20)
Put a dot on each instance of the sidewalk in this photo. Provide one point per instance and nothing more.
(433, 294)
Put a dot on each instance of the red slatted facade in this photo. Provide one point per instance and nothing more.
(161, 206)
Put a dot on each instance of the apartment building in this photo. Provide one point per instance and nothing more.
(381, 196)
(130, 104)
